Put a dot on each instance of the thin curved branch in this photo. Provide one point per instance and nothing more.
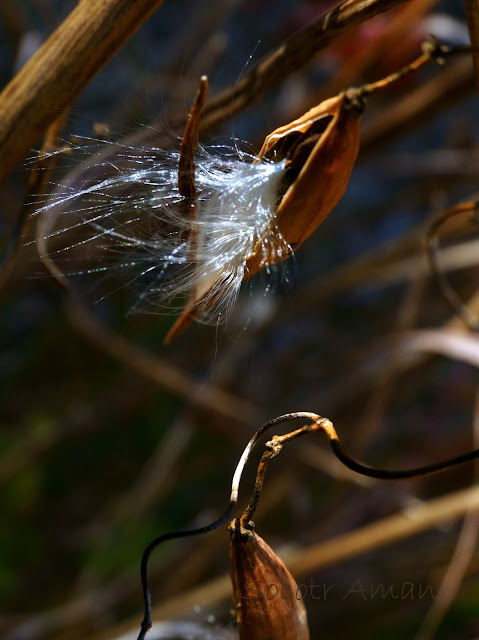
(290, 56)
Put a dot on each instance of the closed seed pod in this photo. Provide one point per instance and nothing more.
(268, 604)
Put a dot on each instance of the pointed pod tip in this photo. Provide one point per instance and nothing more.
(181, 323)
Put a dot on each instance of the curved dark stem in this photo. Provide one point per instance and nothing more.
(385, 474)
(146, 622)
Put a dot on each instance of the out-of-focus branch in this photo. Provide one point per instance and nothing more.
(158, 370)
(90, 35)
(374, 536)
(459, 564)
(419, 106)
(290, 56)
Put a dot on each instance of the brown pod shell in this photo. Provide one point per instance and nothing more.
(323, 179)
(268, 604)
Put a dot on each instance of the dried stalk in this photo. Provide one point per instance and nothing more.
(460, 561)
(379, 534)
(387, 530)
(315, 424)
(291, 55)
(448, 291)
(419, 106)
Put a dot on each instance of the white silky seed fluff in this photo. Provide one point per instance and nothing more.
(126, 209)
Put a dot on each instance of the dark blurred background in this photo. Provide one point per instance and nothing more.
(96, 458)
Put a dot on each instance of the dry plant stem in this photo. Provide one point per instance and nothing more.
(432, 51)
(383, 390)
(37, 185)
(392, 34)
(448, 292)
(366, 268)
(458, 323)
(146, 623)
(288, 58)
(373, 536)
(390, 263)
(91, 34)
(387, 530)
(187, 185)
(273, 447)
(291, 55)
(149, 488)
(419, 106)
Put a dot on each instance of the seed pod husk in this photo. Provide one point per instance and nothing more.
(268, 604)
(325, 144)
(319, 150)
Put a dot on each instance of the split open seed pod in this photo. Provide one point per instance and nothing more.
(268, 605)
(316, 153)
(320, 149)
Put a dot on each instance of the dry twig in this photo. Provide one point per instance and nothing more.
(61, 68)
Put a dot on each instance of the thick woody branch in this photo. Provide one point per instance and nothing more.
(61, 68)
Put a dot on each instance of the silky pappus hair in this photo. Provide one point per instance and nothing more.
(123, 214)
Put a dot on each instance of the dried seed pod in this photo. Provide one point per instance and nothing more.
(320, 150)
(314, 156)
(268, 604)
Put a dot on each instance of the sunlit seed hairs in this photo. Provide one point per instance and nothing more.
(129, 217)
(237, 215)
